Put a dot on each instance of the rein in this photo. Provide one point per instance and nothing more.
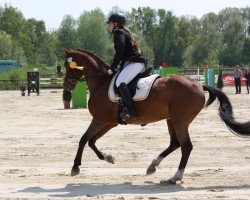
(95, 76)
(71, 80)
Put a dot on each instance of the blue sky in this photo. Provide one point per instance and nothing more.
(53, 11)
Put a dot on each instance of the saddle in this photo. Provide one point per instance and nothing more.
(139, 88)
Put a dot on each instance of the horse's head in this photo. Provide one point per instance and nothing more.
(81, 63)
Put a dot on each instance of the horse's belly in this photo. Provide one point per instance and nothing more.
(152, 112)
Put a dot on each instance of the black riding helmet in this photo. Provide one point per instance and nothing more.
(119, 18)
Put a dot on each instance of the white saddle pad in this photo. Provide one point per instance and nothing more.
(143, 88)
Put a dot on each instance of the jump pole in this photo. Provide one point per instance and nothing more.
(209, 77)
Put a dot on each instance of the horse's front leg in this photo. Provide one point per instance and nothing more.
(94, 127)
(92, 141)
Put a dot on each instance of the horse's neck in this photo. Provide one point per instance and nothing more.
(98, 83)
(96, 79)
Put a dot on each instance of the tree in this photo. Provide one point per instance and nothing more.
(12, 22)
(5, 46)
(35, 35)
(17, 53)
(142, 22)
(207, 42)
(48, 54)
(246, 51)
(183, 41)
(233, 38)
(67, 33)
(92, 33)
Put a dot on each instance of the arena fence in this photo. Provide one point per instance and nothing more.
(45, 81)
(52, 81)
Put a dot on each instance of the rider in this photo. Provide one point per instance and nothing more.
(128, 54)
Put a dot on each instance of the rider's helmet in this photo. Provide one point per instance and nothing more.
(117, 17)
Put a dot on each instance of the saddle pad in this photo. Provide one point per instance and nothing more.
(143, 88)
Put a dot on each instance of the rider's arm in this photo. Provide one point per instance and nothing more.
(119, 44)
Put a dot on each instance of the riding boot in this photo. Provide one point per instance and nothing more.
(127, 99)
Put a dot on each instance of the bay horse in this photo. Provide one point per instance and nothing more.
(178, 99)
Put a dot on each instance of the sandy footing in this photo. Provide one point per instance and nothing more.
(39, 139)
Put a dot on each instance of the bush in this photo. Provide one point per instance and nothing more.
(15, 80)
(22, 87)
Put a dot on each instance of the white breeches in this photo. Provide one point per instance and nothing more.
(129, 72)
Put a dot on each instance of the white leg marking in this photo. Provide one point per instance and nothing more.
(178, 175)
(151, 169)
(156, 161)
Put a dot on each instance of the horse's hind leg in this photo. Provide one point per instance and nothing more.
(174, 144)
(186, 148)
(92, 141)
(94, 127)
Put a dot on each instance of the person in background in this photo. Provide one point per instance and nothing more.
(130, 58)
(164, 64)
(59, 71)
(237, 79)
(247, 76)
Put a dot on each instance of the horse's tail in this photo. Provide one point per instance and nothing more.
(226, 112)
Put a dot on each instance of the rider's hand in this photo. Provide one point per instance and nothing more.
(110, 72)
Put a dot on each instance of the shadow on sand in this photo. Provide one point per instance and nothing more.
(91, 190)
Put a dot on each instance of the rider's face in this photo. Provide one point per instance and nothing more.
(111, 26)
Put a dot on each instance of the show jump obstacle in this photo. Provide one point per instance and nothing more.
(209, 77)
(33, 82)
(166, 71)
(79, 95)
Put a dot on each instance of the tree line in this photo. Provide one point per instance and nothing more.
(214, 39)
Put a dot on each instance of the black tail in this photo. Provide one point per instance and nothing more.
(226, 112)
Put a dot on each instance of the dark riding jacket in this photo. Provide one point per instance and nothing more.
(124, 51)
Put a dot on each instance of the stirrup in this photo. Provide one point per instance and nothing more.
(125, 115)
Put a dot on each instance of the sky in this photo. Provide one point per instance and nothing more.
(53, 11)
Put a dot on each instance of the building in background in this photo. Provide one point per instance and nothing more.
(7, 65)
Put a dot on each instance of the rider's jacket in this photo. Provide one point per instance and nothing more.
(124, 50)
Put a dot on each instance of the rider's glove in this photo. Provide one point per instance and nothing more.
(110, 72)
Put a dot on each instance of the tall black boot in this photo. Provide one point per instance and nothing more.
(127, 99)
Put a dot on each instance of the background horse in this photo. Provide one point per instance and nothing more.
(178, 99)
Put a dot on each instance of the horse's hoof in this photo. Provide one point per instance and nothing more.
(167, 182)
(151, 170)
(75, 171)
(110, 159)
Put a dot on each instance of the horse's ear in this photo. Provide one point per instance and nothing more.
(66, 51)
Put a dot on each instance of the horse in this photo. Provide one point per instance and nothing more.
(177, 99)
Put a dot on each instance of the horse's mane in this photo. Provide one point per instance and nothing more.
(95, 57)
